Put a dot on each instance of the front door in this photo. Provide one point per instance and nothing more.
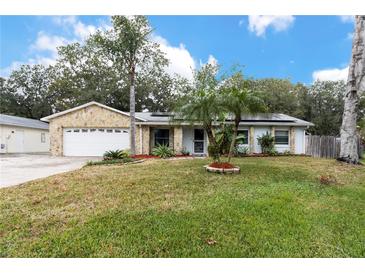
(198, 141)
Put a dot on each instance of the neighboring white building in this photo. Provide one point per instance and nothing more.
(23, 135)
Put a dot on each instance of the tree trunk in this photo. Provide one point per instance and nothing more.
(355, 86)
(132, 112)
(210, 135)
(233, 142)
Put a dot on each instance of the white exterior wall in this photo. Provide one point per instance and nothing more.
(188, 139)
(22, 140)
(299, 140)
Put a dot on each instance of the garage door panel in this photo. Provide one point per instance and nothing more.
(94, 142)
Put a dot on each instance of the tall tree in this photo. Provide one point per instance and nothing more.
(129, 47)
(323, 107)
(26, 92)
(201, 103)
(239, 100)
(355, 86)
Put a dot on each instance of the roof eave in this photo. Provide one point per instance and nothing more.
(55, 115)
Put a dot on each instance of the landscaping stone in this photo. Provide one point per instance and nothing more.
(235, 169)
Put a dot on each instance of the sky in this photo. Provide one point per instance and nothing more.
(300, 48)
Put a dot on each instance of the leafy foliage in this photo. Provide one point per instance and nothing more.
(241, 150)
(163, 151)
(266, 142)
(116, 154)
(238, 100)
(185, 152)
(27, 92)
(201, 101)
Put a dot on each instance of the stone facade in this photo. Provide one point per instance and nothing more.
(88, 117)
(178, 139)
(143, 134)
(292, 140)
(252, 139)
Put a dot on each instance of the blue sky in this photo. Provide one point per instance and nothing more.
(302, 48)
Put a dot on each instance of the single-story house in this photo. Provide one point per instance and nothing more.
(23, 135)
(93, 128)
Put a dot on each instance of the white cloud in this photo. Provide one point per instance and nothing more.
(78, 28)
(83, 31)
(181, 61)
(347, 18)
(350, 35)
(259, 23)
(240, 23)
(331, 74)
(212, 60)
(64, 20)
(50, 43)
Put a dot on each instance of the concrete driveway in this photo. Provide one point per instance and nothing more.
(16, 169)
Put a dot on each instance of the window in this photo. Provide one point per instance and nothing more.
(244, 133)
(43, 137)
(101, 130)
(198, 134)
(117, 131)
(281, 137)
(84, 130)
(162, 137)
(76, 130)
(109, 130)
(92, 129)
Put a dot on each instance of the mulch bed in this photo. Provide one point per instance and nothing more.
(221, 165)
(146, 156)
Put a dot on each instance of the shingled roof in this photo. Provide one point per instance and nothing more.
(10, 120)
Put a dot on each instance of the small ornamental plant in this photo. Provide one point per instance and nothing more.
(266, 141)
(115, 155)
(163, 151)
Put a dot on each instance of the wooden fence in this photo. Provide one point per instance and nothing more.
(325, 146)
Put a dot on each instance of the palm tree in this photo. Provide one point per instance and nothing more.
(129, 45)
(201, 104)
(238, 100)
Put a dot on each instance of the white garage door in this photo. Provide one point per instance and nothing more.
(94, 141)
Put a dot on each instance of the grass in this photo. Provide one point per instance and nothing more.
(110, 162)
(276, 207)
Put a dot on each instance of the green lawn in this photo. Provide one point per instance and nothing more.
(276, 207)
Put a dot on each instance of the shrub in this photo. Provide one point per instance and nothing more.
(241, 150)
(266, 142)
(163, 151)
(214, 152)
(185, 152)
(115, 154)
(224, 137)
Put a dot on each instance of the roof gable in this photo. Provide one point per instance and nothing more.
(93, 103)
